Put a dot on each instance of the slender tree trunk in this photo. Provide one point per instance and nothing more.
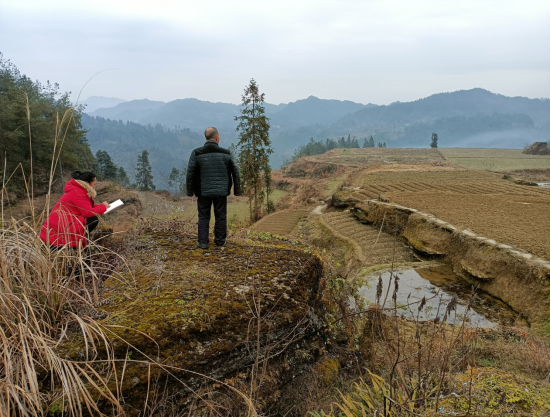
(255, 176)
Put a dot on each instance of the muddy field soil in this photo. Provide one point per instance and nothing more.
(482, 202)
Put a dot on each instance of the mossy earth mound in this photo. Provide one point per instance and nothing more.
(198, 310)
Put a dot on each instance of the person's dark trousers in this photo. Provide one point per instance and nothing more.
(220, 222)
(91, 224)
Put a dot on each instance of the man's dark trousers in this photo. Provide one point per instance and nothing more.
(220, 222)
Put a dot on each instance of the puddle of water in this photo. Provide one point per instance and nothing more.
(543, 184)
(439, 285)
(318, 209)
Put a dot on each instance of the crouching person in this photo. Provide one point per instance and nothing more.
(211, 173)
(75, 215)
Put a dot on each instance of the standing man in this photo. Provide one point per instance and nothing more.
(209, 177)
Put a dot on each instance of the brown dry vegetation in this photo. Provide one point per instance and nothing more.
(365, 157)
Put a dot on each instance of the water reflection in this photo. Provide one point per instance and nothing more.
(439, 286)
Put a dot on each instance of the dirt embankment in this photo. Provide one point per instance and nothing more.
(195, 311)
(517, 278)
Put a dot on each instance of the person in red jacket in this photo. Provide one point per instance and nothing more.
(74, 213)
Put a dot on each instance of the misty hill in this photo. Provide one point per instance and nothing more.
(96, 102)
(312, 111)
(129, 111)
(458, 103)
(197, 114)
(125, 140)
(463, 118)
(466, 118)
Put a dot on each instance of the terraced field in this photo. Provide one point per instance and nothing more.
(481, 201)
(494, 159)
(280, 223)
(377, 248)
(364, 157)
(374, 190)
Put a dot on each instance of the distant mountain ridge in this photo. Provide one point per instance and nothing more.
(462, 118)
(469, 118)
(458, 103)
(93, 103)
(196, 114)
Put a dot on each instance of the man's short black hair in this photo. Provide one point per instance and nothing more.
(211, 133)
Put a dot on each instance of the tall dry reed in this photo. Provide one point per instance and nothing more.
(40, 295)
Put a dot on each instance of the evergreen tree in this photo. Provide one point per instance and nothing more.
(371, 142)
(122, 177)
(144, 179)
(255, 146)
(434, 140)
(182, 180)
(105, 167)
(234, 152)
(38, 124)
(365, 143)
(174, 179)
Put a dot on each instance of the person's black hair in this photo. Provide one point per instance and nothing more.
(85, 176)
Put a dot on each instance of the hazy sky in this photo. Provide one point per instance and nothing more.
(376, 51)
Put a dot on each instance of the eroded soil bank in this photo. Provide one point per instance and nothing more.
(517, 278)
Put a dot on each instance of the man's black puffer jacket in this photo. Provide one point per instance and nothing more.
(210, 171)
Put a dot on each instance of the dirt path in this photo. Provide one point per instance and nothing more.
(379, 248)
(280, 223)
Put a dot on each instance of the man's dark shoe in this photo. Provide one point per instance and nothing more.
(222, 245)
(203, 245)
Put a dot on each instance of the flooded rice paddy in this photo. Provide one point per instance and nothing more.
(439, 286)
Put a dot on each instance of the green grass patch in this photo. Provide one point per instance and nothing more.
(333, 184)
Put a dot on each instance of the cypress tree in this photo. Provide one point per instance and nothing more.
(144, 179)
(434, 141)
(255, 146)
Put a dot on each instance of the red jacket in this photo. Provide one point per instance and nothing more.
(67, 220)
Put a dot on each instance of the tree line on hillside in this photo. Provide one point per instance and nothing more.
(166, 147)
(38, 125)
(41, 135)
(320, 147)
(106, 170)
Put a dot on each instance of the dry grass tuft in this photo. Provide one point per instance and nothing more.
(40, 293)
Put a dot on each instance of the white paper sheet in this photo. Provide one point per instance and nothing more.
(114, 205)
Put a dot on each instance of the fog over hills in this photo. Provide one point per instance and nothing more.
(197, 114)
(95, 102)
(472, 118)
